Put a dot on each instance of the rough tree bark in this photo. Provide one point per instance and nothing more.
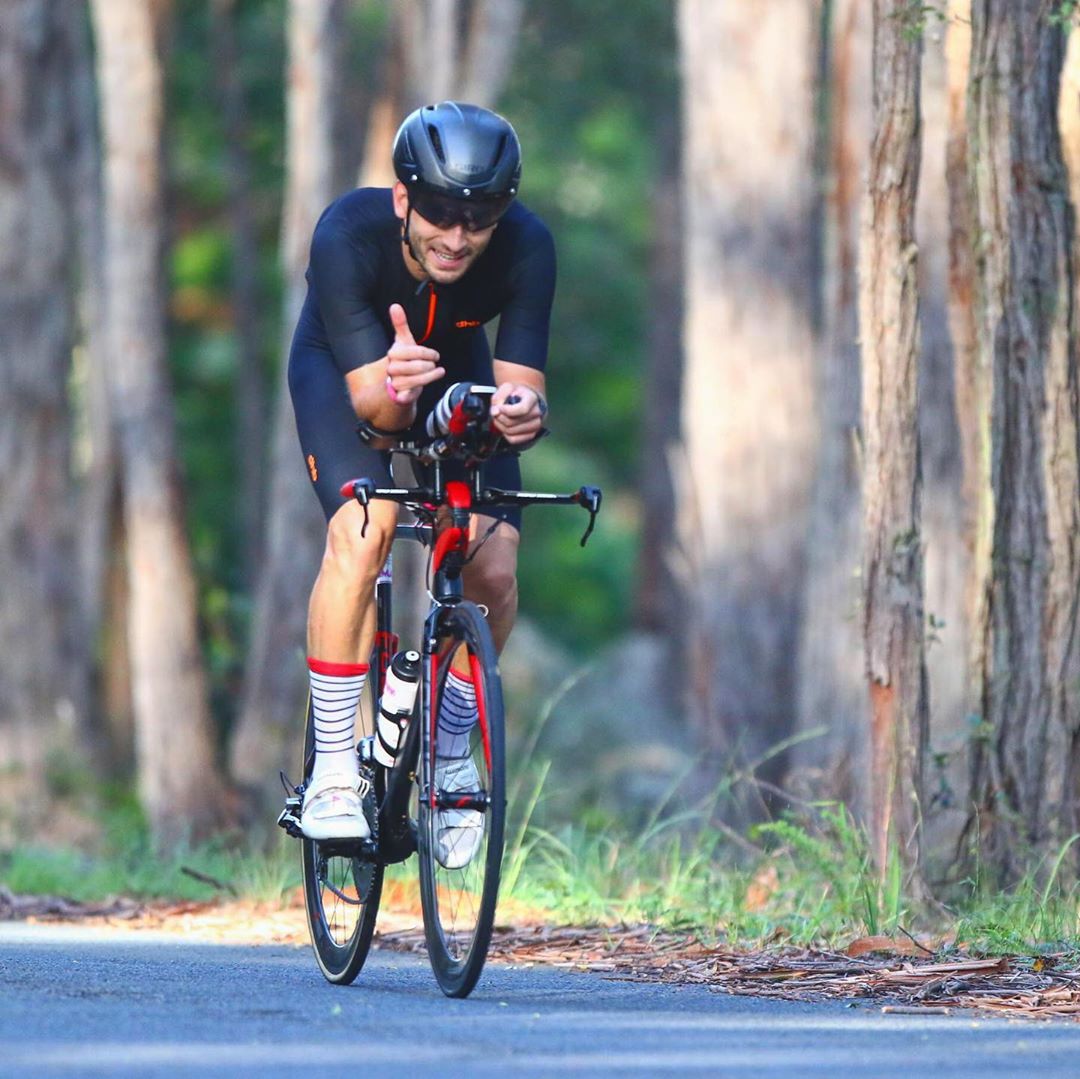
(747, 391)
(892, 536)
(1025, 768)
(178, 779)
(831, 691)
(44, 658)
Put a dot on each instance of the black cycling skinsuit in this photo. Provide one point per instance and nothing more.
(357, 270)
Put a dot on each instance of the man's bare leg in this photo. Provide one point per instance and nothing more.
(341, 624)
(341, 614)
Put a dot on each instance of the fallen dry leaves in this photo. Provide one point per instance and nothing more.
(903, 975)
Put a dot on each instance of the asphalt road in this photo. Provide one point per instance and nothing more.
(142, 1004)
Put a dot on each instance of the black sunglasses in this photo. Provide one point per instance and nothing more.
(445, 212)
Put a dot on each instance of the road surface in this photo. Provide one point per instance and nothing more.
(76, 1003)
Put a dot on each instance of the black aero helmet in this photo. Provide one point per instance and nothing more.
(460, 163)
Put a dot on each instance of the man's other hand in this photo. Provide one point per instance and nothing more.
(517, 412)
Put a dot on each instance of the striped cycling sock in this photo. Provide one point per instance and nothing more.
(335, 695)
(457, 716)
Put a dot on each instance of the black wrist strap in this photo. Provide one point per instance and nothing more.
(367, 431)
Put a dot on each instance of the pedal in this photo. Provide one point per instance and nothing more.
(289, 818)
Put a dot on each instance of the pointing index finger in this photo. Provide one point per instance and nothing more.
(402, 333)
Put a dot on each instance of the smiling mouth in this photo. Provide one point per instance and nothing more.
(445, 256)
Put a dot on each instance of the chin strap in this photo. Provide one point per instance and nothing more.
(406, 239)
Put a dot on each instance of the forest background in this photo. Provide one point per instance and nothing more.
(815, 335)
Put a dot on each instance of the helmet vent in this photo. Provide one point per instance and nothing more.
(499, 151)
(436, 141)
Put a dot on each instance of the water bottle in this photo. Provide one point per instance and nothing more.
(395, 708)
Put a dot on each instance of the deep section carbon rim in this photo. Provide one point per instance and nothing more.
(462, 800)
(341, 895)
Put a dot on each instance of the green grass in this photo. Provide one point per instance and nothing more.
(806, 881)
(131, 867)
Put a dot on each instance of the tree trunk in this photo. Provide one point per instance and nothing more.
(269, 729)
(44, 658)
(1026, 763)
(179, 783)
(831, 692)
(100, 535)
(746, 413)
(251, 393)
(489, 50)
(657, 605)
(892, 536)
(944, 535)
(970, 374)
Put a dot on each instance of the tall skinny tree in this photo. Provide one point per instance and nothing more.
(892, 537)
(747, 390)
(1026, 767)
(43, 657)
(178, 778)
(271, 723)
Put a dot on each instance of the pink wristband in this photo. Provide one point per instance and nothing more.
(391, 392)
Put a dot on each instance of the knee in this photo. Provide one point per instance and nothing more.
(354, 555)
(495, 578)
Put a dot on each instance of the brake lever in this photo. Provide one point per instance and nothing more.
(362, 490)
(589, 498)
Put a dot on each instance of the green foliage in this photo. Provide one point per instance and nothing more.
(914, 17)
(1064, 14)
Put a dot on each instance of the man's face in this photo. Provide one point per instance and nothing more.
(442, 254)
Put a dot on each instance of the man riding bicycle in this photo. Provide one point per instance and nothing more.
(400, 285)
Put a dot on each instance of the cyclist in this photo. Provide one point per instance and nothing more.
(401, 283)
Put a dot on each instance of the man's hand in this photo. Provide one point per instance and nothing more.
(521, 420)
(409, 366)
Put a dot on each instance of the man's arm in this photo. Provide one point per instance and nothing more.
(520, 422)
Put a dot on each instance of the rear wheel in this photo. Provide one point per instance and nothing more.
(341, 891)
(459, 866)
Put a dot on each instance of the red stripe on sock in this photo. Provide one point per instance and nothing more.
(465, 676)
(337, 670)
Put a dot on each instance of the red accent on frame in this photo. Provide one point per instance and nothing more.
(458, 495)
(481, 707)
(336, 670)
(450, 539)
(433, 303)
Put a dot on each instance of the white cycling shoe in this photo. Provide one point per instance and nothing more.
(458, 832)
(332, 808)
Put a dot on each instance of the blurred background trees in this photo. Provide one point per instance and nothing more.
(792, 533)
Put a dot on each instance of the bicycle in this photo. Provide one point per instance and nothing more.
(343, 879)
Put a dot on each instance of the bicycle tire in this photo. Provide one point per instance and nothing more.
(459, 903)
(341, 895)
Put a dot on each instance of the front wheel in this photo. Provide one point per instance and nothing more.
(341, 894)
(462, 797)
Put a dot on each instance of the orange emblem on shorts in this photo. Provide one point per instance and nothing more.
(312, 467)
(467, 323)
